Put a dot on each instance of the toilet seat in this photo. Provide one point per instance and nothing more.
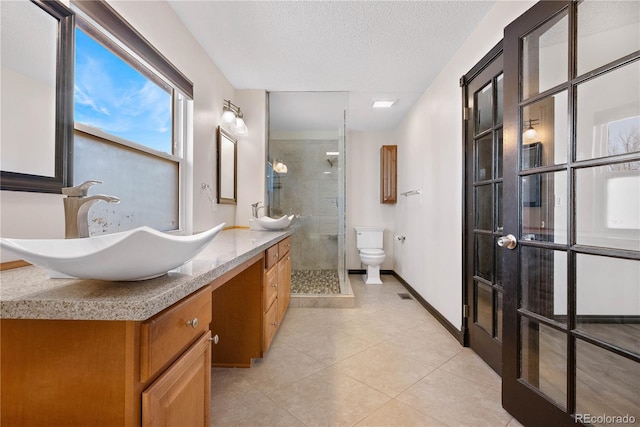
(371, 251)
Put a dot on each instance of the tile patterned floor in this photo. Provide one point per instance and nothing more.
(315, 282)
(387, 362)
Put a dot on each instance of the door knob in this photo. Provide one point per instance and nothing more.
(509, 241)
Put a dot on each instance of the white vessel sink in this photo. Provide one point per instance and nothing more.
(268, 223)
(138, 254)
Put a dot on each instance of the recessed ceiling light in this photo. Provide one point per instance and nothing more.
(382, 104)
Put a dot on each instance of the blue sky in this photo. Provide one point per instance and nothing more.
(111, 95)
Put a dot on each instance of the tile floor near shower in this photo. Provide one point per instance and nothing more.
(385, 362)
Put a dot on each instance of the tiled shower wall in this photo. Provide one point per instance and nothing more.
(310, 189)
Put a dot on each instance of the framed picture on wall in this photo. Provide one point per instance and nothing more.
(531, 184)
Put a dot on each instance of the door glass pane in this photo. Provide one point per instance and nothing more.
(484, 164)
(543, 355)
(607, 385)
(483, 208)
(608, 114)
(484, 112)
(499, 100)
(498, 154)
(483, 262)
(484, 305)
(606, 31)
(545, 126)
(498, 295)
(544, 207)
(543, 282)
(608, 206)
(609, 312)
(544, 56)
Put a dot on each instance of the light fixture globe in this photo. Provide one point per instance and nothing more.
(239, 127)
(227, 118)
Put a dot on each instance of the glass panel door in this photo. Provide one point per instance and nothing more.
(572, 198)
(483, 278)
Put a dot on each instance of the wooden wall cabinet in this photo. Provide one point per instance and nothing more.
(389, 174)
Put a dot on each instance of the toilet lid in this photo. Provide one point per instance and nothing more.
(372, 251)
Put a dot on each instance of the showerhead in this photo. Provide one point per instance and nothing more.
(332, 161)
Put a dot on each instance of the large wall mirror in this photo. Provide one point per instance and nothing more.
(37, 95)
(227, 167)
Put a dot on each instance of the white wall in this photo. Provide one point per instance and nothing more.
(430, 158)
(252, 154)
(363, 193)
(35, 214)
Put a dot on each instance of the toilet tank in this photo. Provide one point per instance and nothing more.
(369, 237)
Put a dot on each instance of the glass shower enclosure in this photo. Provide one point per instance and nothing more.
(306, 176)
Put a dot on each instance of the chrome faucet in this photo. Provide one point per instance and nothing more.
(255, 208)
(76, 208)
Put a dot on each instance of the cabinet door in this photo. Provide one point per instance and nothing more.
(270, 325)
(284, 285)
(388, 174)
(181, 395)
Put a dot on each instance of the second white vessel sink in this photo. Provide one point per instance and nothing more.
(138, 254)
(268, 223)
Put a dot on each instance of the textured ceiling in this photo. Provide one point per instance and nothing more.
(369, 49)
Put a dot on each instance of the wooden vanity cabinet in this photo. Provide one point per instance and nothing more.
(389, 174)
(89, 372)
(277, 280)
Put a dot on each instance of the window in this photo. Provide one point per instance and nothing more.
(111, 95)
(130, 106)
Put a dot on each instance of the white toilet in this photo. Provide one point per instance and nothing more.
(369, 243)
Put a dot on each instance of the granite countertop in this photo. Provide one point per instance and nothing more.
(28, 293)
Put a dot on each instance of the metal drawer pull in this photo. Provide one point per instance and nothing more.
(193, 323)
(215, 339)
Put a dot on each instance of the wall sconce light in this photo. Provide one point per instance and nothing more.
(232, 117)
(279, 167)
(530, 132)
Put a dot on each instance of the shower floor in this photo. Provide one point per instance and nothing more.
(315, 282)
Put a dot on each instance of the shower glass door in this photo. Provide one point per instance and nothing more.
(307, 178)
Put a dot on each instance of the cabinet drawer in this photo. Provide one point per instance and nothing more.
(169, 333)
(271, 256)
(270, 325)
(284, 247)
(270, 287)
